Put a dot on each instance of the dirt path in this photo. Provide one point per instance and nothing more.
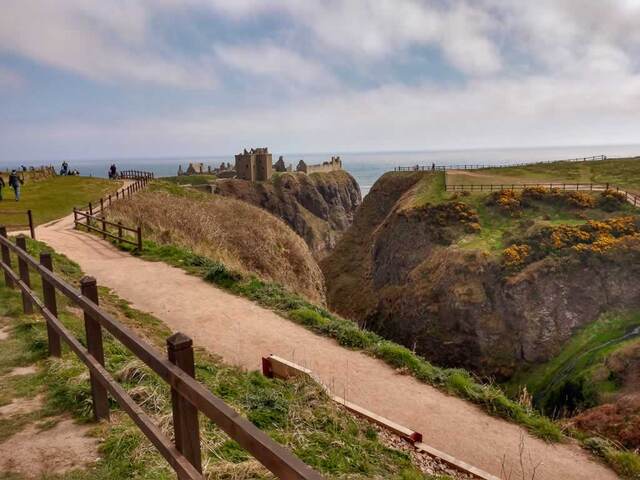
(242, 332)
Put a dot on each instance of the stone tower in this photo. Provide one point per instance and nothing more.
(254, 165)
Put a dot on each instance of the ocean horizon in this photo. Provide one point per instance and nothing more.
(366, 167)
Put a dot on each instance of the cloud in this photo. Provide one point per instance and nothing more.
(277, 63)
(103, 41)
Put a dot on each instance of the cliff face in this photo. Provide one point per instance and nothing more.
(398, 272)
(319, 207)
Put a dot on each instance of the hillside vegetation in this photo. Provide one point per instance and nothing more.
(245, 238)
(53, 197)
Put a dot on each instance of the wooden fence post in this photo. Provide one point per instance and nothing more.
(90, 209)
(23, 267)
(89, 288)
(49, 295)
(139, 234)
(119, 233)
(6, 258)
(31, 227)
(102, 205)
(185, 415)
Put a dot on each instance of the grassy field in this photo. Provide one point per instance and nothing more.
(52, 198)
(190, 179)
(296, 414)
(622, 172)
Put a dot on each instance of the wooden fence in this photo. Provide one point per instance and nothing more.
(85, 220)
(632, 198)
(92, 216)
(434, 167)
(135, 175)
(20, 214)
(189, 398)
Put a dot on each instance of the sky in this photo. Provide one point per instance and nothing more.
(144, 78)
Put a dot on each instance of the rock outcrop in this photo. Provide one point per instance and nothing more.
(319, 207)
(398, 271)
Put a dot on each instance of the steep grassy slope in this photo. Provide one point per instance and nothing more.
(243, 237)
(319, 207)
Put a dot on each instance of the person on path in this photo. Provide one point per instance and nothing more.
(2, 185)
(15, 182)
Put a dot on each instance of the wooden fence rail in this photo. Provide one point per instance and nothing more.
(434, 167)
(29, 222)
(632, 198)
(135, 175)
(189, 398)
(82, 219)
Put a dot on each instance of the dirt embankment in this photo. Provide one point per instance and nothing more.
(318, 207)
(398, 272)
(242, 237)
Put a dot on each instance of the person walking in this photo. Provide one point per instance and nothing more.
(2, 185)
(14, 182)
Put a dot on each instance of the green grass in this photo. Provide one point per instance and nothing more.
(190, 179)
(430, 189)
(575, 368)
(622, 172)
(297, 414)
(53, 198)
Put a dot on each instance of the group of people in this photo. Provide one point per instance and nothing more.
(65, 170)
(14, 182)
(113, 172)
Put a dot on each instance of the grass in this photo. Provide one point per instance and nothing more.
(622, 172)
(190, 179)
(244, 237)
(579, 366)
(297, 414)
(52, 198)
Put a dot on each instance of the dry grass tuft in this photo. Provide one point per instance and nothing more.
(242, 237)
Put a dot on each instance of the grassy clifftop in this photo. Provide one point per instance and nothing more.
(53, 197)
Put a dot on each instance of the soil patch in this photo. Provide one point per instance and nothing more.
(33, 453)
(22, 405)
(31, 369)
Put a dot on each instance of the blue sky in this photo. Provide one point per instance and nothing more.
(144, 78)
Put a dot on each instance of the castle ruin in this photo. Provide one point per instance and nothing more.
(334, 164)
(254, 165)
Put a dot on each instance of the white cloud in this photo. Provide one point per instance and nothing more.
(104, 41)
(280, 64)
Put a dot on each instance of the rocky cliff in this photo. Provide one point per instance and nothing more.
(319, 207)
(399, 271)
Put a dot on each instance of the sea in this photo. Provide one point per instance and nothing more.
(366, 167)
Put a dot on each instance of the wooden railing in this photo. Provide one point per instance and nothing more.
(19, 213)
(93, 215)
(85, 220)
(135, 175)
(434, 167)
(632, 198)
(189, 398)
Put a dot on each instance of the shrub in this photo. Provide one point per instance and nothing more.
(578, 199)
(508, 201)
(515, 255)
(610, 200)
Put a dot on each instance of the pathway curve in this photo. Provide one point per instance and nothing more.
(242, 333)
